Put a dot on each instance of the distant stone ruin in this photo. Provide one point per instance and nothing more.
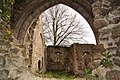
(75, 58)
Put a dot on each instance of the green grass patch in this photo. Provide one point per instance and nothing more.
(59, 75)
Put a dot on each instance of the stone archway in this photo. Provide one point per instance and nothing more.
(29, 10)
(25, 12)
(102, 15)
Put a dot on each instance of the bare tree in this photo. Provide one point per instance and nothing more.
(61, 27)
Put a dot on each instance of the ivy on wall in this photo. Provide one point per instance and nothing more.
(5, 9)
(5, 14)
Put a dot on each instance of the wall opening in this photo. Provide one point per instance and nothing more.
(39, 65)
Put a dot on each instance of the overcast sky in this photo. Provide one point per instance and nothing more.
(90, 38)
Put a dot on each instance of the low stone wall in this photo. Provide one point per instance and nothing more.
(58, 58)
(75, 58)
(85, 56)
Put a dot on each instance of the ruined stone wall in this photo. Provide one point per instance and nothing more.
(38, 63)
(107, 21)
(58, 58)
(85, 56)
(75, 58)
(15, 58)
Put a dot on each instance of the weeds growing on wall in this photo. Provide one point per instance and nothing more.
(5, 14)
(6, 31)
(106, 62)
(5, 9)
(88, 71)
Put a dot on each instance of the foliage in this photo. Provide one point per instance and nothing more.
(5, 9)
(93, 77)
(59, 75)
(107, 54)
(5, 30)
(106, 62)
(88, 71)
(5, 14)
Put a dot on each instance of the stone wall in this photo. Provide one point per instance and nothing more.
(107, 21)
(38, 55)
(85, 56)
(58, 58)
(12, 57)
(75, 58)
(16, 60)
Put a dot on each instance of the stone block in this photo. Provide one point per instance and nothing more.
(97, 4)
(26, 61)
(97, 10)
(1, 42)
(104, 39)
(117, 53)
(4, 74)
(111, 48)
(116, 62)
(99, 17)
(117, 43)
(115, 2)
(15, 50)
(24, 53)
(116, 32)
(2, 50)
(2, 61)
(116, 19)
(104, 11)
(110, 44)
(100, 23)
(113, 75)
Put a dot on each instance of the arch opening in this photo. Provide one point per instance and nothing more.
(28, 16)
(30, 20)
(39, 65)
(63, 26)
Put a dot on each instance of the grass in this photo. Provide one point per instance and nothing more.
(59, 75)
(93, 77)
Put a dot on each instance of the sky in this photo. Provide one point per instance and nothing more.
(90, 38)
